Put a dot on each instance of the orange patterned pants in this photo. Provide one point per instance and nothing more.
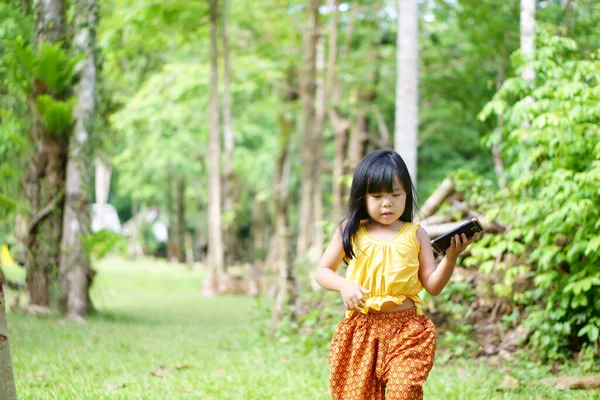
(381, 355)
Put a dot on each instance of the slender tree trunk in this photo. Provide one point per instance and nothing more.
(171, 230)
(339, 124)
(528, 35)
(407, 79)
(49, 21)
(322, 94)
(309, 151)
(7, 380)
(287, 293)
(358, 139)
(44, 181)
(340, 127)
(102, 188)
(259, 222)
(75, 258)
(180, 219)
(189, 249)
(360, 135)
(215, 239)
(496, 153)
(568, 6)
(25, 6)
(229, 201)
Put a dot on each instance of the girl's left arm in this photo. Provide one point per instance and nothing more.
(435, 277)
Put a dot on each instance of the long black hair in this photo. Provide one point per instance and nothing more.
(375, 174)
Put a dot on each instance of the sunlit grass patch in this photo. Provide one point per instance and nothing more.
(156, 337)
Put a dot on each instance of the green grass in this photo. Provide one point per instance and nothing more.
(156, 337)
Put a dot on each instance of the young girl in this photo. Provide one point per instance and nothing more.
(385, 346)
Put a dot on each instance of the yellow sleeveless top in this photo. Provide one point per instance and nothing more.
(389, 268)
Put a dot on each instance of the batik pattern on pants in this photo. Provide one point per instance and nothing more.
(381, 355)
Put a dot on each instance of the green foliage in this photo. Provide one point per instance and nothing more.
(55, 67)
(104, 242)
(551, 204)
(49, 69)
(56, 114)
(15, 27)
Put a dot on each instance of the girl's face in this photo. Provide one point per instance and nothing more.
(386, 208)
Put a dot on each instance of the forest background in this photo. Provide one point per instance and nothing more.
(224, 135)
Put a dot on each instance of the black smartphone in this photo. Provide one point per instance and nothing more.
(441, 243)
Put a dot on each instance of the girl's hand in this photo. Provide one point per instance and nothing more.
(458, 244)
(353, 295)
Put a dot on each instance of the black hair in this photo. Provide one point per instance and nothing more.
(375, 174)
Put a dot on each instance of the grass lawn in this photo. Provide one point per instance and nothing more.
(156, 338)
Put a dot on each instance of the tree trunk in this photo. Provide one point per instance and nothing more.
(358, 140)
(44, 181)
(7, 380)
(437, 198)
(75, 258)
(259, 223)
(215, 239)
(189, 249)
(528, 35)
(360, 135)
(180, 220)
(49, 21)
(496, 153)
(171, 229)
(309, 153)
(287, 293)
(229, 179)
(568, 6)
(317, 234)
(102, 186)
(339, 125)
(407, 79)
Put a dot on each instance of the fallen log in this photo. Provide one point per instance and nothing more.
(437, 198)
(438, 230)
(573, 382)
(436, 220)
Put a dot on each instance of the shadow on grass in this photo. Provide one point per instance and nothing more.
(123, 318)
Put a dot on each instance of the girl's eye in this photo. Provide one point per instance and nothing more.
(397, 194)
(376, 196)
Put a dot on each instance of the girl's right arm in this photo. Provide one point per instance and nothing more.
(352, 294)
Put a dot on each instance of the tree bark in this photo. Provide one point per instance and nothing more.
(317, 234)
(102, 188)
(45, 178)
(215, 238)
(229, 179)
(49, 21)
(7, 380)
(180, 219)
(339, 124)
(75, 258)
(407, 79)
(340, 127)
(496, 153)
(171, 229)
(258, 231)
(568, 6)
(309, 151)
(528, 35)
(437, 198)
(287, 293)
